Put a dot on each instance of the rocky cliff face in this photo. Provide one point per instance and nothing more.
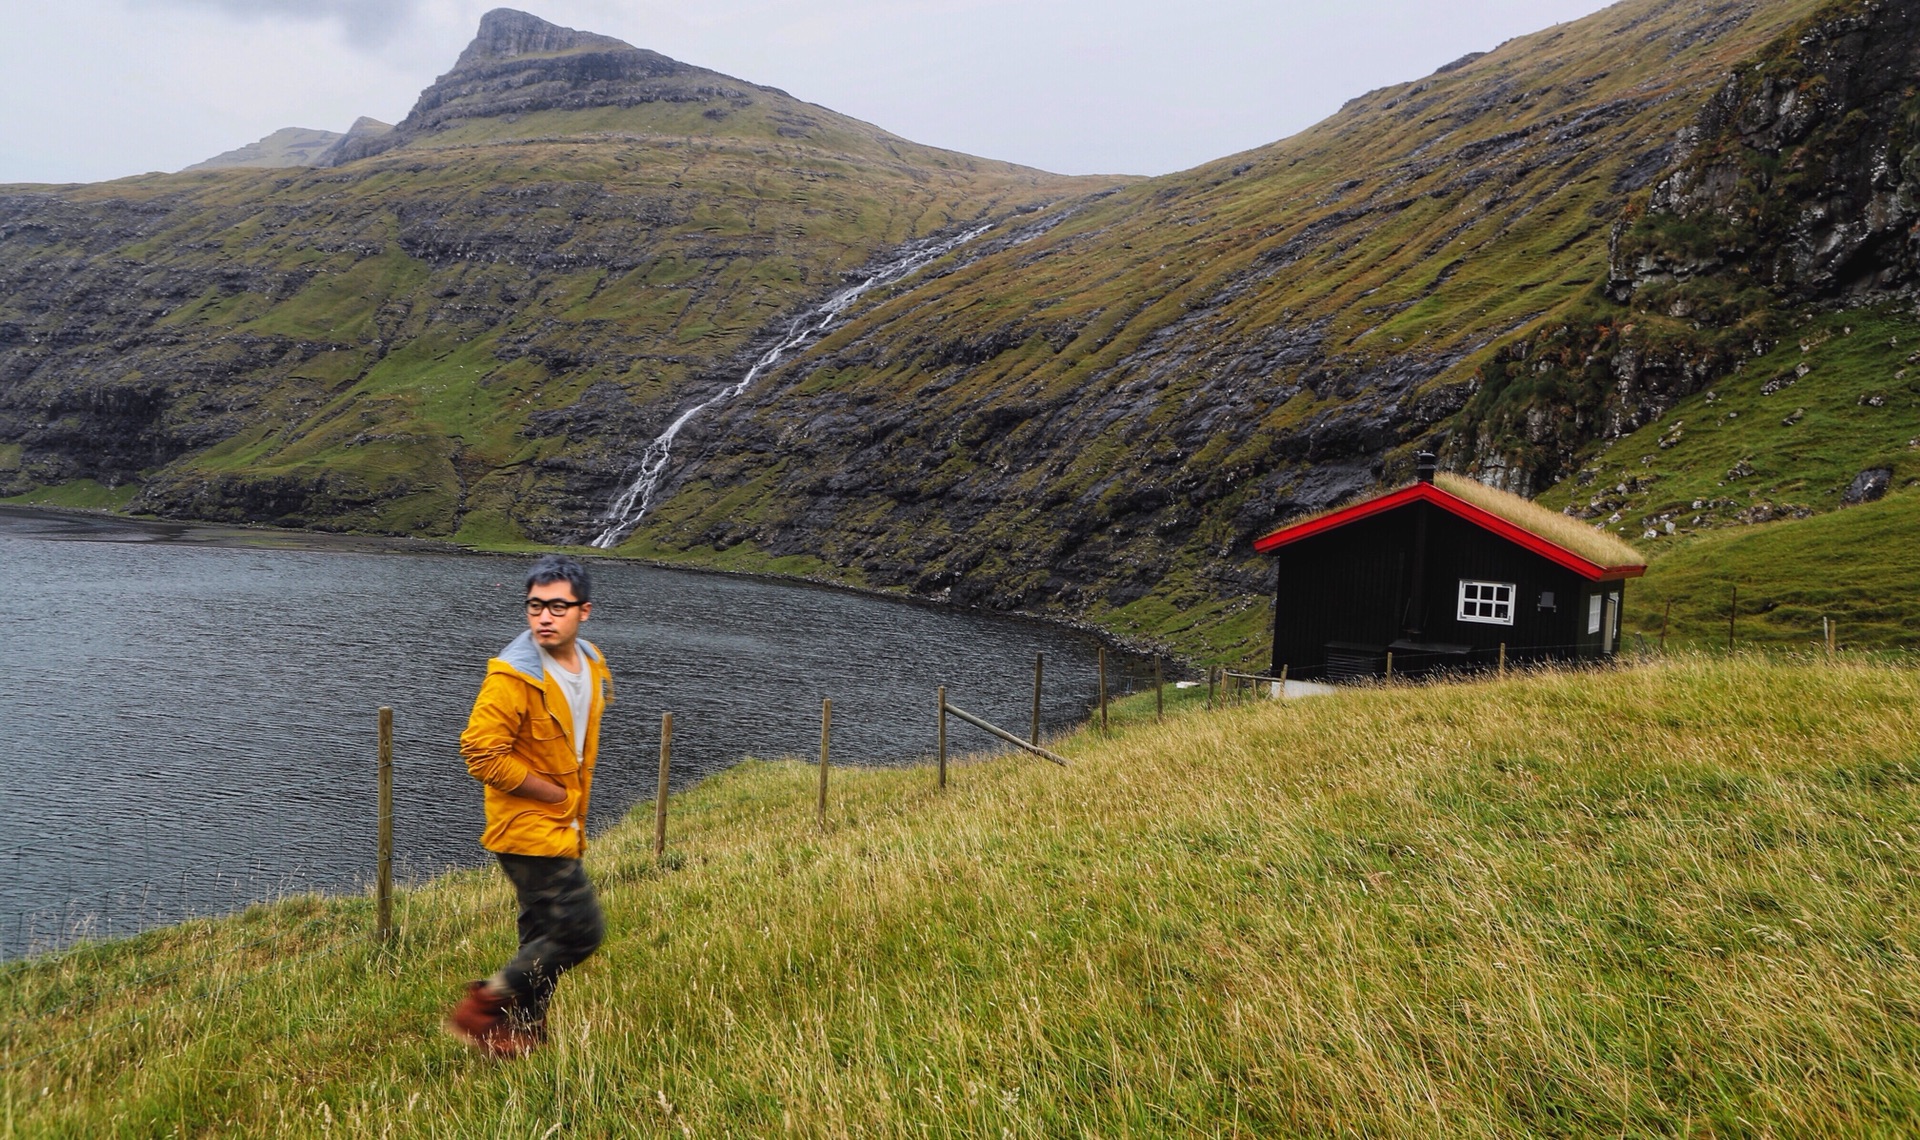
(1802, 172)
(506, 34)
(1796, 184)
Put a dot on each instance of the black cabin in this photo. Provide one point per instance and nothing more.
(1442, 575)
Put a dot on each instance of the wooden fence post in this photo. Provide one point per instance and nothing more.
(1503, 659)
(660, 792)
(1103, 689)
(1039, 660)
(1210, 669)
(1733, 607)
(1159, 690)
(1389, 666)
(941, 696)
(826, 733)
(383, 871)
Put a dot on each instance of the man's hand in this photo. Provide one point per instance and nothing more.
(538, 787)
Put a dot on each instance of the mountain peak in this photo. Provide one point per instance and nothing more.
(507, 32)
(519, 64)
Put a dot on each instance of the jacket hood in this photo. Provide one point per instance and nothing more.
(522, 654)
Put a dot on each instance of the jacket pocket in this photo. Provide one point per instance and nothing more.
(564, 808)
(546, 747)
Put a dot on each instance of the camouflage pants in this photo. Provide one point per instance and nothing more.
(560, 926)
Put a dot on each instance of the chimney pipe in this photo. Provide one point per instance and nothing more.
(1424, 465)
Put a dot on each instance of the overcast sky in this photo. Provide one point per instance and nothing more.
(97, 89)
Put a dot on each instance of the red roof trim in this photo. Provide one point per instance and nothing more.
(1486, 520)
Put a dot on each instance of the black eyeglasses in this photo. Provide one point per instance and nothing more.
(558, 607)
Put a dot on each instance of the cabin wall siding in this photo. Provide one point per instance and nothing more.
(1346, 585)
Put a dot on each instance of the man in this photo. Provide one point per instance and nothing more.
(531, 739)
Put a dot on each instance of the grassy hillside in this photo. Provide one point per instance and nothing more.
(1673, 899)
(1783, 437)
(1091, 410)
(474, 334)
(1100, 419)
(1744, 484)
(1858, 567)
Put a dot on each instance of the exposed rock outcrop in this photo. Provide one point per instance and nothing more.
(1802, 171)
(1870, 486)
(362, 138)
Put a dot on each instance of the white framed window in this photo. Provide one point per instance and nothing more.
(1489, 603)
(1593, 613)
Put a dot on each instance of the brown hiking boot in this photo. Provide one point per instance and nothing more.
(486, 1021)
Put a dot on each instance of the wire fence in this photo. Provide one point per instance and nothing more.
(214, 883)
(222, 883)
(91, 1007)
(42, 942)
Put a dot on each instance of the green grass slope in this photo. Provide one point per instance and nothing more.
(1784, 436)
(1089, 412)
(1858, 568)
(1672, 899)
(453, 336)
(1098, 419)
(1742, 485)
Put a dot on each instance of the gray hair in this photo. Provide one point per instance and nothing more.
(561, 568)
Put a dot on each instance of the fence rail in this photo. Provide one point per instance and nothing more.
(1002, 733)
(265, 872)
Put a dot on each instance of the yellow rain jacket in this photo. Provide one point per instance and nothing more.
(520, 723)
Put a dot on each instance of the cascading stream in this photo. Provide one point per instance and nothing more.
(632, 504)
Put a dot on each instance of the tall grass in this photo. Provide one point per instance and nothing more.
(1672, 899)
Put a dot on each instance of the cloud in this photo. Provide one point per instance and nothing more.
(367, 23)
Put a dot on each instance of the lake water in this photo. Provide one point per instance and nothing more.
(191, 722)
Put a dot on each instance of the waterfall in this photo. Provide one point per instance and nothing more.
(632, 504)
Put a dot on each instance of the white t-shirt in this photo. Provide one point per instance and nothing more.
(578, 689)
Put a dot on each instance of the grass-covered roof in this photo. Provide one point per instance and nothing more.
(1594, 545)
(1589, 542)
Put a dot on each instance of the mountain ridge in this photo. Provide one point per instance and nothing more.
(1146, 513)
(288, 146)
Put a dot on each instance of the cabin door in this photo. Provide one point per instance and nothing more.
(1609, 624)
